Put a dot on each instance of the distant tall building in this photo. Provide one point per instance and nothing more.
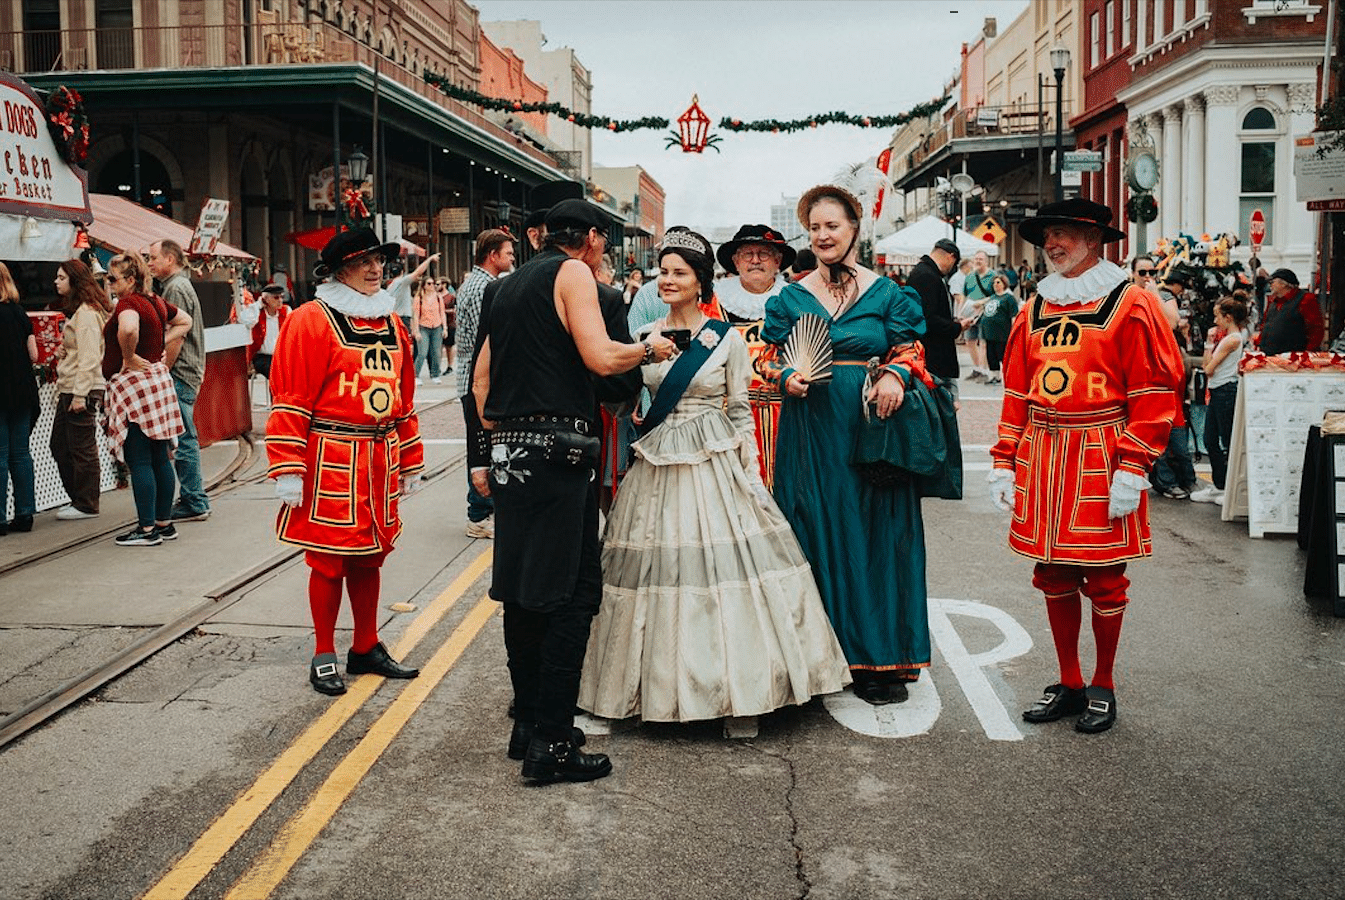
(784, 217)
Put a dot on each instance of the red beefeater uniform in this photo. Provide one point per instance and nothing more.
(343, 417)
(761, 394)
(1088, 389)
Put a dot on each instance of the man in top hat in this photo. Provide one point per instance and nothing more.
(1293, 318)
(929, 279)
(344, 445)
(1091, 375)
(753, 260)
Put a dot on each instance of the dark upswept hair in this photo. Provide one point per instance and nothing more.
(567, 237)
(1236, 308)
(83, 288)
(701, 262)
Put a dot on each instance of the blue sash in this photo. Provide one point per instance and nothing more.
(679, 377)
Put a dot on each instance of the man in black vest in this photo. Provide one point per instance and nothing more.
(929, 280)
(1293, 318)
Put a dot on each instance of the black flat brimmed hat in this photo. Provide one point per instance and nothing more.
(352, 244)
(575, 213)
(813, 194)
(1074, 211)
(1286, 275)
(754, 234)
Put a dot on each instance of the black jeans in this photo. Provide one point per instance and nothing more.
(546, 649)
(1219, 429)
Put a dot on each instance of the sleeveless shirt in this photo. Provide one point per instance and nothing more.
(535, 367)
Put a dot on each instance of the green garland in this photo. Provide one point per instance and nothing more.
(476, 98)
(466, 95)
(922, 111)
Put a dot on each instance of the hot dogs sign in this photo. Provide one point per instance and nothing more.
(35, 180)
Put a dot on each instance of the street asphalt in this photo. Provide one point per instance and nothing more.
(200, 773)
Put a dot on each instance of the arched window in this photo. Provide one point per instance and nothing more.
(1257, 184)
(1258, 118)
(118, 177)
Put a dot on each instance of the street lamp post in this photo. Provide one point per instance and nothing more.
(359, 168)
(1059, 62)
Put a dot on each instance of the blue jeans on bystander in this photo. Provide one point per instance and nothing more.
(16, 462)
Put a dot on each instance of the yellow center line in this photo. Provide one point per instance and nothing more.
(226, 831)
(303, 828)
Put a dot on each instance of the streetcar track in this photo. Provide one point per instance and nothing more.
(216, 600)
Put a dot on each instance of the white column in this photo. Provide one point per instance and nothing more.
(1170, 175)
(1296, 226)
(1141, 25)
(1193, 165)
(1223, 161)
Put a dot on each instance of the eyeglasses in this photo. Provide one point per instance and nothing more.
(1145, 271)
(761, 253)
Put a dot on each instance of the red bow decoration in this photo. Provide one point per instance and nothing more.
(354, 203)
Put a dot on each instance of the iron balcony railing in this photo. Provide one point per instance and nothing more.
(214, 46)
(1010, 122)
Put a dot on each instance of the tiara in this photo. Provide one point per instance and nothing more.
(685, 240)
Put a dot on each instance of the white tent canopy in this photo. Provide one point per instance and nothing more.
(905, 247)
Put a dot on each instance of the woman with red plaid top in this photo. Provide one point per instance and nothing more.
(143, 417)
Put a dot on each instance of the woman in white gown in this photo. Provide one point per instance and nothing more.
(709, 607)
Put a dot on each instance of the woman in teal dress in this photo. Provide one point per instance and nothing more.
(866, 543)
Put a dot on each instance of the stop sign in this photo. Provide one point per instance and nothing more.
(1258, 229)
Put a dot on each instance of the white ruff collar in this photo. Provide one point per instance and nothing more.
(345, 299)
(741, 302)
(1096, 282)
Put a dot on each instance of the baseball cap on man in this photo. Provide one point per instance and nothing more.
(573, 213)
(949, 247)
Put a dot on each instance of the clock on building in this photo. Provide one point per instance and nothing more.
(1142, 173)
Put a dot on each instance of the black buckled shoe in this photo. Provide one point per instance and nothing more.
(1056, 702)
(547, 762)
(377, 662)
(1100, 713)
(522, 736)
(325, 677)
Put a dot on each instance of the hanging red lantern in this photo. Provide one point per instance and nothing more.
(693, 127)
(81, 239)
(693, 130)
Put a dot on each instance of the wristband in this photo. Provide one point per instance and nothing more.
(648, 353)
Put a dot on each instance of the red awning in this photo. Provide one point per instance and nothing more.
(127, 227)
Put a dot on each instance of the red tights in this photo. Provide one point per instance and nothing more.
(1105, 587)
(324, 598)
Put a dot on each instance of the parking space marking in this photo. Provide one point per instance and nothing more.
(234, 822)
(298, 834)
(917, 715)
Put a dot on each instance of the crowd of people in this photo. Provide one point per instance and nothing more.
(747, 562)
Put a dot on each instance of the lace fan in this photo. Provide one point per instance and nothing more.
(807, 350)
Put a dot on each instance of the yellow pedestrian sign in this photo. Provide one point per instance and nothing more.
(989, 230)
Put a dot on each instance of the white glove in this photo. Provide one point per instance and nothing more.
(762, 496)
(290, 489)
(1126, 488)
(1001, 489)
(410, 484)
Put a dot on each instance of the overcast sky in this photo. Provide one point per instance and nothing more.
(754, 59)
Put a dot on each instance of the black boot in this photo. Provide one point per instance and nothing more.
(547, 762)
(377, 662)
(21, 523)
(522, 736)
(324, 677)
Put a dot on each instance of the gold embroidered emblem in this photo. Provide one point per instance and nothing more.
(1061, 336)
(1056, 380)
(381, 395)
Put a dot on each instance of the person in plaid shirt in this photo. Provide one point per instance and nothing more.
(143, 418)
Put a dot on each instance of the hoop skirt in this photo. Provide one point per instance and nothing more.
(709, 606)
